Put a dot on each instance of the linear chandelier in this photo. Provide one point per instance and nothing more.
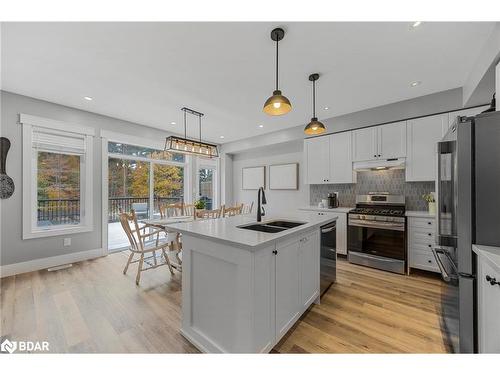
(191, 146)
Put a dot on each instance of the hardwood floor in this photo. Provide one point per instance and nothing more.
(371, 311)
(93, 307)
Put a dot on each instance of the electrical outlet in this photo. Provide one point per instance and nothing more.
(67, 242)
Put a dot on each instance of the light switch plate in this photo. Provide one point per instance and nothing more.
(67, 242)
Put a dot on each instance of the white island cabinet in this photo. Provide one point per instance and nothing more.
(488, 299)
(242, 290)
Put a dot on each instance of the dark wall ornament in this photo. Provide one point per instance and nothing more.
(6, 183)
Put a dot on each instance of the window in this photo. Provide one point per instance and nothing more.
(57, 178)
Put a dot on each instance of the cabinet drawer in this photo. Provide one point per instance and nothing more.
(423, 247)
(423, 260)
(420, 222)
(424, 237)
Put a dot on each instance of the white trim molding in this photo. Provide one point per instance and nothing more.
(43, 263)
(42, 122)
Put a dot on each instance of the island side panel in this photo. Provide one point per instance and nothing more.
(217, 294)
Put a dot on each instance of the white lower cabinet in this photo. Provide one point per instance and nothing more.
(309, 254)
(297, 280)
(488, 307)
(341, 233)
(421, 240)
(287, 286)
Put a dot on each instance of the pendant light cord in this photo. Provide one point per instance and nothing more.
(277, 62)
(200, 127)
(185, 125)
(314, 99)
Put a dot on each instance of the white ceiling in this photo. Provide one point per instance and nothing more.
(145, 72)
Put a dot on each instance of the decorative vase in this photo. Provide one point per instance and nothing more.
(432, 208)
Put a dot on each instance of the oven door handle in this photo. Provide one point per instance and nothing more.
(364, 224)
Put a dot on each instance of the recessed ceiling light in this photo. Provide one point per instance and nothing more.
(89, 98)
(416, 24)
(326, 108)
(221, 137)
(172, 123)
(261, 126)
(415, 83)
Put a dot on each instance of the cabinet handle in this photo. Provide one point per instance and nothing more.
(430, 234)
(379, 155)
(429, 245)
(429, 261)
(275, 252)
(492, 280)
(374, 156)
(429, 223)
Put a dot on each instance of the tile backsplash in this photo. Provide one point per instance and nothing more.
(391, 181)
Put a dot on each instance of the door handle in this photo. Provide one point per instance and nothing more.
(492, 280)
(446, 277)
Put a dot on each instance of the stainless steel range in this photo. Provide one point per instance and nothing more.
(376, 235)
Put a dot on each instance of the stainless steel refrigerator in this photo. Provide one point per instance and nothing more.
(468, 186)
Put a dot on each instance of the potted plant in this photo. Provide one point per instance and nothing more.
(199, 205)
(429, 198)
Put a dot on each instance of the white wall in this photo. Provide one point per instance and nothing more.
(278, 201)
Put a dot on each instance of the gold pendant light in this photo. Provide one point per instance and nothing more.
(315, 127)
(277, 104)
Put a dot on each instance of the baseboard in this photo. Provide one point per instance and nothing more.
(43, 263)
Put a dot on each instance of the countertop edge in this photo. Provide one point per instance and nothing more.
(425, 214)
(490, 253)
(320, 209)
(262, 244)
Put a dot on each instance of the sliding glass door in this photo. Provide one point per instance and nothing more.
(140, 179)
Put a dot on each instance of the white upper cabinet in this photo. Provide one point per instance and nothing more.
(364, 143)
(380, 142)
(422, 136)
(317, 155)
(328, 159)
(341, 159)
(392, 140)
(452, 116)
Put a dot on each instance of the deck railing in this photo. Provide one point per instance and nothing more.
(67, 211)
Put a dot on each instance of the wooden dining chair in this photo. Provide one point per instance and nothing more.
(247, 208)
(232, 211)
(188, 209)
(140, 245)
(170, 210)
(208, 214)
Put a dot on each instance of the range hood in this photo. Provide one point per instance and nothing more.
(382, 164)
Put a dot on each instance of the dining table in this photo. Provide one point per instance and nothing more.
(171, 237)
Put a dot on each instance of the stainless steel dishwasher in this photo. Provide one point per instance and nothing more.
(328, 258)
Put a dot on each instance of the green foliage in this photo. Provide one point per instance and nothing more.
(200, 205)
(429, 198)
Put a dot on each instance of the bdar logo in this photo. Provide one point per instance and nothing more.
(8, 346)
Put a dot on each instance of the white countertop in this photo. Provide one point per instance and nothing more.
(225, 230)
(316, 208)
(425, 214)
(490, 253)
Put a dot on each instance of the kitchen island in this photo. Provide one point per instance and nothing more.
(243, 289)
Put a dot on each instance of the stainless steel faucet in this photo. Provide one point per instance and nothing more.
(260, 209)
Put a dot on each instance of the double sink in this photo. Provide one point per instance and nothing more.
(272, 226)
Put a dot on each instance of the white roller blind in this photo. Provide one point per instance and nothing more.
(57, 141)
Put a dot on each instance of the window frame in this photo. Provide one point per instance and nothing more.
(30, 176)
